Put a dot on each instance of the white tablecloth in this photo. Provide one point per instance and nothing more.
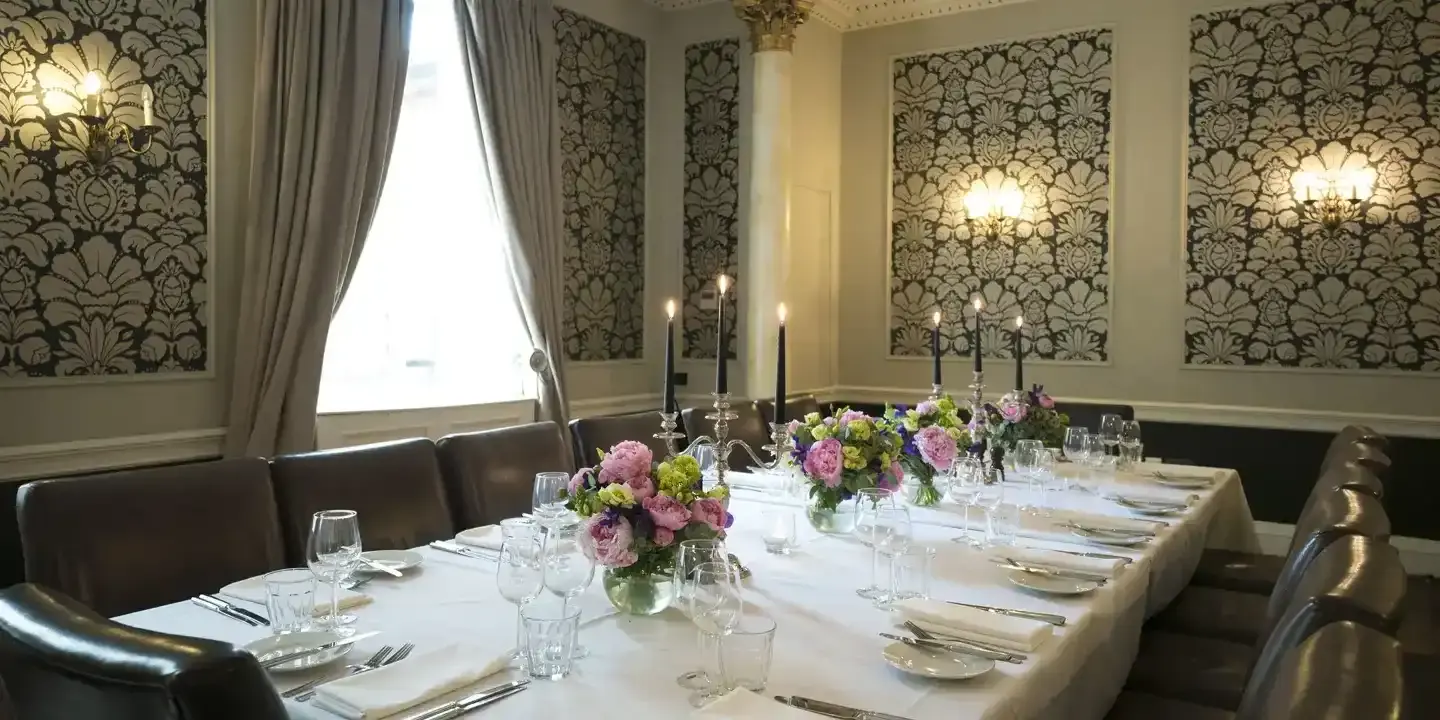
(827, 644)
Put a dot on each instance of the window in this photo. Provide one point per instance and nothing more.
(429, 320)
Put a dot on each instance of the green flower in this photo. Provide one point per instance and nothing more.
(617, 495)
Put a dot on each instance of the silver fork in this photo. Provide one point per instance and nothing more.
(375, 661)
(403, 653)
(362, 582)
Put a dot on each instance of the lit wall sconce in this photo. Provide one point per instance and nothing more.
(104, 134)
(1334, 197)
(994, 205)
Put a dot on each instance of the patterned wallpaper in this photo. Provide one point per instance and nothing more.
(1036, 114)
(1309, 86)
(712, 188)
(102, 270)
(601, 89)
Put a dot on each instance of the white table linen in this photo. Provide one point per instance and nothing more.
(827, 643)
(391, 689)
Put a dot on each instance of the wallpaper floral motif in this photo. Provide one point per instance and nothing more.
(102, 269)
(712, 189)
(1032, 115)
(601, 88)
(1314, 85)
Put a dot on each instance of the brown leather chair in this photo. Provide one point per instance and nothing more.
(1341, 446)
(1257, 573)
(749, 427)
(61, 661)
(395, 488)
(126, 541)
(490, 475)
(593, 435)
(795, 408)
(1355, 578)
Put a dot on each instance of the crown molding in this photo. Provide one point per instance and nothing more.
(845, 15)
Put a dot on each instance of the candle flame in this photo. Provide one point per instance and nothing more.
(978, 303)
(92, 83)
(781, 311)
(937, 318)
(723, 283)
(1019, 321)
(670, 309)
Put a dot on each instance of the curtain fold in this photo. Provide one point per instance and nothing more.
(509, 48)
(330, 76)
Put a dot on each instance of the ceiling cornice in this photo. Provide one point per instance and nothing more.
(844, 15)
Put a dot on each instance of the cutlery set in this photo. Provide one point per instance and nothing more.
(465, 550)
(819, 707)
(1050, 618)
(480, 699)
(1013, 564)
(928, 641)
(215, 604)
(381, 658)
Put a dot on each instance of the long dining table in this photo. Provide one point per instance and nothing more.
(827, 642)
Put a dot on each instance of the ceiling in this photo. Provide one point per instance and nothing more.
(858, 14)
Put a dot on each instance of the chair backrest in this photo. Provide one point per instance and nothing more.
(795, 408)
(490, 475)
(126, 541)
(1087, 415)
(1358, 435)
(395, 488)
(1343, 671)
(593, 434)
(1367, 456)
(1356, 579)
(61, 661)
(1347, 476)
(1334, 515)
(749, 426)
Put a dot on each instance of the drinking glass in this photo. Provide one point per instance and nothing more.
(779, 534)
(545, 498)
(332, 552)
(1077, 448)
(747, 652)
(1027, 458)
(550, 639)
(690, 555)
(1097, 458)
(913, 570)
(704, 457)
(1129, 442)
(290, 600)
(1110, 431)
(567, 569)
(715, 607)
(519, 574)
(891, 537)
(868, 503)
(966, 486)
(1004, 524)
(988, 498)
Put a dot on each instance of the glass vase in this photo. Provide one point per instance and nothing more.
(840, 521)
(638, 595)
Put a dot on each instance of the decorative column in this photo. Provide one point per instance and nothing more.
(766, 273)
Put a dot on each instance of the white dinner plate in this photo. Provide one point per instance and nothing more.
(1150, 507)
(1051, 584)
(1181, 481)
(937, 664)
(275, 645)
(1110, 539)
(394, 559)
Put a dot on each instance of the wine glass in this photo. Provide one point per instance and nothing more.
(715, 607)
(333, 552)
(1027, 457)
(705, 458)
(1077, 446)
(1110, 431)
(545, 497)
(1044, 475)
(891, 538)
(567, 569)
(964, 489)
(519, 575)
(867, 502)
(1130, 441)
(989, 498)
(689, 555)
(1097, 456)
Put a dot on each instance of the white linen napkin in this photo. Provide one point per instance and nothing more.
(1012, 633)
(489, 537)
(253, 590)
(1059, 560)
(414, 680)
(757, 481)
(741, 704)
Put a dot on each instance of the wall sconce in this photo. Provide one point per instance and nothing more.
(994, 210)
(105, 135)
(1334, 197)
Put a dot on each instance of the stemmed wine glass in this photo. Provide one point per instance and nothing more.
(1130, 440)
(690, 555)
(989, 499)
(868, 503)
(964, 489)
(1077, 445)
(1110, 431)
(333, 552)
(567, 569)
(1096, 458)
(545, 497)
(1027, 458)
(891, 538)
(520, 576)
(715, 607)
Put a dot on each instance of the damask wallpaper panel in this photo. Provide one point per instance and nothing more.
(102, 269)
(712, 190)
(1033, 114)
(1310, 86)
(601, 87)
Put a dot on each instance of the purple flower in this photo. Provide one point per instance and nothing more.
(607, 540)
(710, 512)
(853, 415)
(927, 408)
(891, 478)
(936, 447)
(825, 461)
(667, 512)
(578, 481)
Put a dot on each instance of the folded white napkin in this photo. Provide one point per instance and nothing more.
(414, 680)
(489, 537)
(253, 590)
(741, 704)
(757, 481)
(1058, 560)
(1008, 632)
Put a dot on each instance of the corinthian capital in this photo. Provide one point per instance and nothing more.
(773, 22)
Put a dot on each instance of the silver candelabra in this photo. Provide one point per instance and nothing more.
(978, 428)
(937, 391)
(722, 444)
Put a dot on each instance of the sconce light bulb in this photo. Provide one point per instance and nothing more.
(92, 83)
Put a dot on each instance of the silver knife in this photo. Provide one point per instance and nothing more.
(946, 646)
(307, 652)
(791, 703)
(1053, 619)
(471, 702)
(461, 550)
(227, 612)
(1122, 532)
(1010, 564)
(924, 634)
(1096, 555)
(839, 711)
(382, 567)
(231, 606)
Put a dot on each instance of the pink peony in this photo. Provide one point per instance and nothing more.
(643, 487)
(890, 479)
(853, 415)
(825, 461)
(667, 512)
(936, 447)
(1046, 401)
(710, 512)
(1014, 411)
(927, 408)
(627, 462)
(793, 426)
(664, 536)
(607, 541)
(578, 481)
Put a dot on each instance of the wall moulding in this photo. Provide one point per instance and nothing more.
(844, 15)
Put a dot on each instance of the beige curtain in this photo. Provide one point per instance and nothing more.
(510, 63)
(329, 80)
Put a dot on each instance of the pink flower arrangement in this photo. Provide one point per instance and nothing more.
(664, 537)
(825, 461)
(1045, 401)
(608, 538)
(710, 512)
(627, 462)
(1014, 412)
(667, 512)
(936, 447)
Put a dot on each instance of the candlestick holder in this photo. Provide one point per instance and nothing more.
(937, 391)
(667, 433)
(722, 444)
(978, 433)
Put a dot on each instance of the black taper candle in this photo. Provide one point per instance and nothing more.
(979, 305)
(722, 373)
(780, 370)
(667, 403)
(1019, 352)
(935, 350)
